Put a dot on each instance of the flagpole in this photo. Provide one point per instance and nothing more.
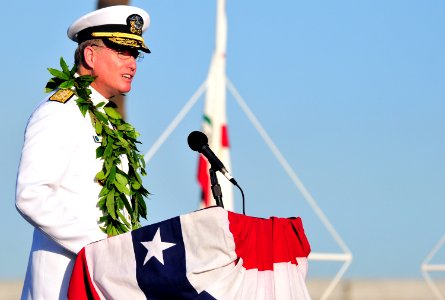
(214, 123)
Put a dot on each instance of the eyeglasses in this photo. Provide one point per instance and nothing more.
(125, 54)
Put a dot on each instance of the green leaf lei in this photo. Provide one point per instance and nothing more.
(118, 138)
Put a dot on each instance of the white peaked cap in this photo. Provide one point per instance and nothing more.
(122, 25)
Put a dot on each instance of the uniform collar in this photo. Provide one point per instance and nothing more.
(96, 97)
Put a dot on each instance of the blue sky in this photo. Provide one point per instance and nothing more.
(351, 92)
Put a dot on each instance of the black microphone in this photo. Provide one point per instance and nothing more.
(198, 141)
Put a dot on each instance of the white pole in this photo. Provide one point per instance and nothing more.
(182, 113)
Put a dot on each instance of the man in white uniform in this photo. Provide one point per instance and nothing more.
(57, 191)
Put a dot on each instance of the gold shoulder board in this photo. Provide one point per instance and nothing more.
(62, 95)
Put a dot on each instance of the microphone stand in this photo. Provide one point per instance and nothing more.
(216, 188)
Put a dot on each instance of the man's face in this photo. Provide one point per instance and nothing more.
(114, 69)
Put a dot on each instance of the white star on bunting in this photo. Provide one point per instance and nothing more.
(156, 247)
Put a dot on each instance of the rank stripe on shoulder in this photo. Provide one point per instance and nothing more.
(62, 95)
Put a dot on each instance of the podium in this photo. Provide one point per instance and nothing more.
(207, 254)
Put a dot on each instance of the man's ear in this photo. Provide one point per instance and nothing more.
(89, 55)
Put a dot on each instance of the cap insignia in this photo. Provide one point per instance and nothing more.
(136, 23)
(62, 95)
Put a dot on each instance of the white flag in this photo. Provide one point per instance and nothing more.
(214, 119)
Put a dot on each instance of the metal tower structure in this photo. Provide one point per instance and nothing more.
(427, 267)
(219, 63)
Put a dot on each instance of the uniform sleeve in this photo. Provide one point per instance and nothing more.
(50, 140)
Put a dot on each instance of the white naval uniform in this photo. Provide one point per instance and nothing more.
(57, 193)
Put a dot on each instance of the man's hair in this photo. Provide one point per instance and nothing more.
(79, 58)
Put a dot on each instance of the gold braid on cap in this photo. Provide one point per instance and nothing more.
(117, 35)
(125, 42)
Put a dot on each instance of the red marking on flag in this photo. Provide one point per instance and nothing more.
(253, 238)
(81, 286)
(224, 136)
(204, 180)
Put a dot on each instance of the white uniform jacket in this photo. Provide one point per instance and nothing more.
(57, 193)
